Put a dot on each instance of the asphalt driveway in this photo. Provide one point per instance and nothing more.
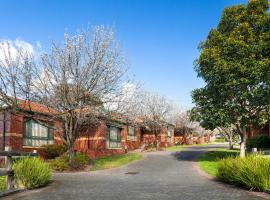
(159, 176)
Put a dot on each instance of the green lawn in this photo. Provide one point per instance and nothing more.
(180, 147)
(208, 162)
(175, 148)
(115, 161)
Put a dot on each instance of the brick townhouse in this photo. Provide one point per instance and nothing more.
(111, 136)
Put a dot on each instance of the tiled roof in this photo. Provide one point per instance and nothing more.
(35, 107)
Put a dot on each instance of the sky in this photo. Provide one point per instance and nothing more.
(159, 37)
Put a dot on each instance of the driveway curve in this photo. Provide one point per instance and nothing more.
(159, 176)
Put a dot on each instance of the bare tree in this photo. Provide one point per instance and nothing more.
(153, 112)
(73, 81)
(16, 65)
(183, 124)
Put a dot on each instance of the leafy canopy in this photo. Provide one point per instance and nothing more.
(234, 62)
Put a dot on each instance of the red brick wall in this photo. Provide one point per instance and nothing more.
(93, 142)
(264, 131)
(149, 138)
(179, 139)
(131, 145)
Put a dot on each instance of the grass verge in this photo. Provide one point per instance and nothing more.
(180, 147)
(115, 161)
(208, 162)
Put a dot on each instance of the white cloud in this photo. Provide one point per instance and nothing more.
(9, 48)
(21, 44)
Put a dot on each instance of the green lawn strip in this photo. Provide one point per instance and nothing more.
(175, 148)
(115, 161)
(180, 147)
(208, 162)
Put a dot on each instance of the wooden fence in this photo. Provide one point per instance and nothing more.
(8, 154)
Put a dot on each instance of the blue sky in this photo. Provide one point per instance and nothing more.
(159, 37)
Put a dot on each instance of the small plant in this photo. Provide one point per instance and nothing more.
(32, 172)
(79, 162)
(62, 163)
(53, 151)
(252, 172)
(3, 183)
(258, 141)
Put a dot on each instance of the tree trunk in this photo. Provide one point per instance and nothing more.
(243, 136)
(71, 151)
(230, 143)
(157, 142)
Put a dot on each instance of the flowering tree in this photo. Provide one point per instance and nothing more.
(73, 81)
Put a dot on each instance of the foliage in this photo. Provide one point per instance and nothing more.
(234, 63)
(3, 183)
(63, 163)
(60, 163)
(115, 161)
(252, 172)
(79, 162)
(54, 150)
(72, 81)
(208, 162)
(258, 141)
(32, 172)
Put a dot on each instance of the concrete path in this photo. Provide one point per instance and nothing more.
(159, 176)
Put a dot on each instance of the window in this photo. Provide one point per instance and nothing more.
(131, 133)
(36, 134)
(169, 134)
(114, 137)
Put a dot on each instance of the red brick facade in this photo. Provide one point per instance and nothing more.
(149, 138)
(264, 131)
(93, 141)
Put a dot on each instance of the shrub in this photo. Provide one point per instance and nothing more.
(79, 161)
(53, 150)
(62, 163)
(258, 141)
(252, 172)
(3, 183)
(32, 172)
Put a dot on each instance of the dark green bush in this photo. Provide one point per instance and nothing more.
(53, 150)
(252, 172)
(32, 172)
(62, 163)
(258, 141)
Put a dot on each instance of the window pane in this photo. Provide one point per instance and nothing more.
(113, 133)
(37, 134)
(114, 137)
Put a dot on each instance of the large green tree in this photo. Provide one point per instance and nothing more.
(234, 62)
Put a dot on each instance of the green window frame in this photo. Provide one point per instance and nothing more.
(114, 137)
(168, 134)
(131, 133)
(36, 134)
